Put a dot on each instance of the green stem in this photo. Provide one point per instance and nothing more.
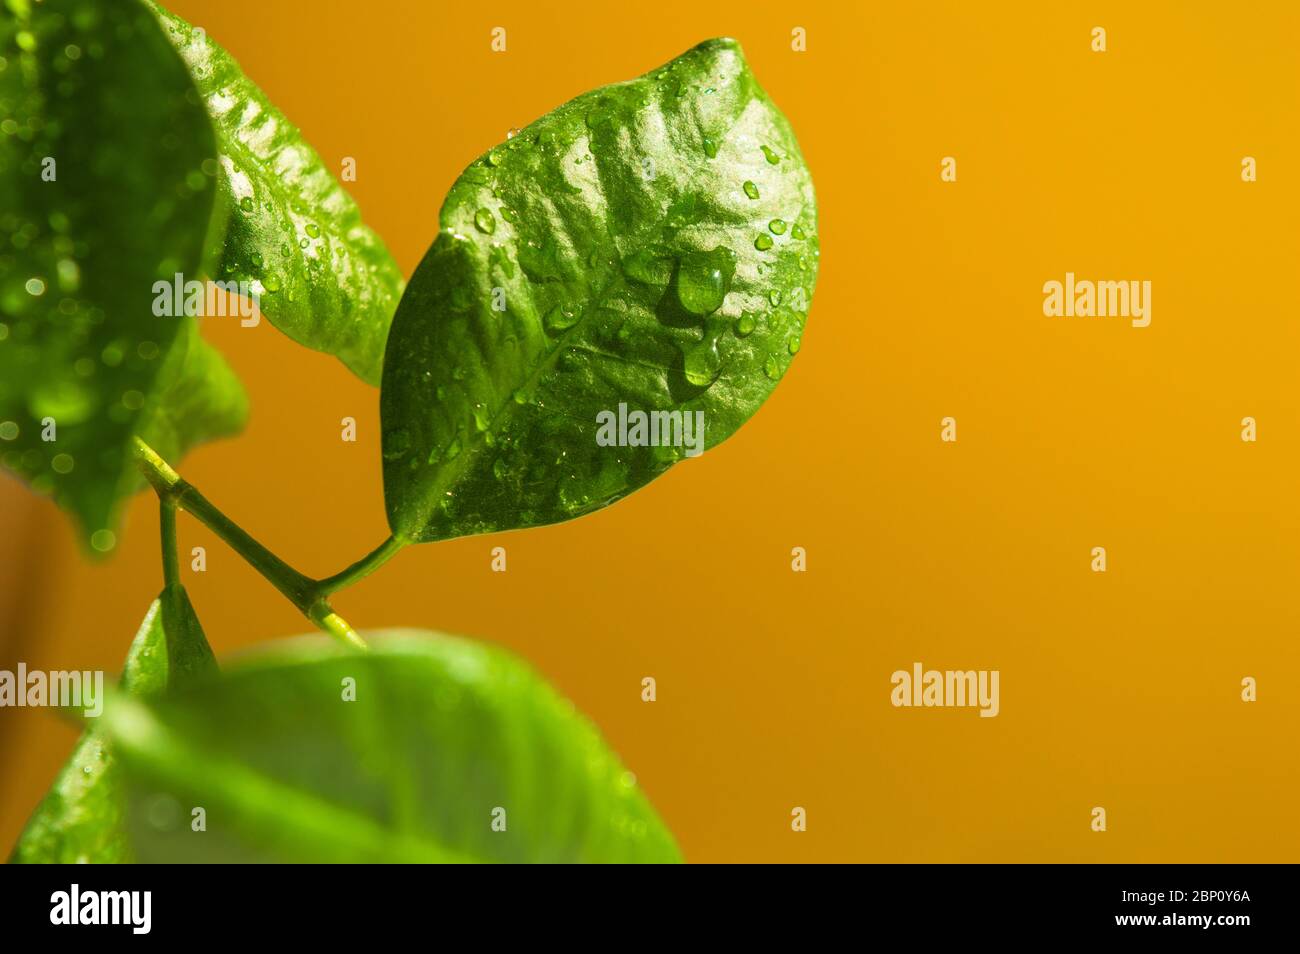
(167, 524)
(308, 595)
(363, 567)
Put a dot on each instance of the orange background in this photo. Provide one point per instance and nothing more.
(1119, 690)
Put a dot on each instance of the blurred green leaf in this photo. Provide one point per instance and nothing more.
(325, 279)
(652, 244)
(441, 734)
(83, 817)
(103, 192)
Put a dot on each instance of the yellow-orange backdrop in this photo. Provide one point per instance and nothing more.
(1119, 689)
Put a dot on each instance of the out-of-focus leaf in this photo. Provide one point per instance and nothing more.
(410, 752)
(651, 244)
(106, 165)
(198, 396)
(294, 234)
(83, 816)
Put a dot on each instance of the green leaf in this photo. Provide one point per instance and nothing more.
(83, 817)
(199, 396)
(102, 193)
(439, 735)
(171, 652)
(325, 279)
(652, 244)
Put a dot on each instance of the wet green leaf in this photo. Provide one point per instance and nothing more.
(102, 193)
(619, 251)
(410, 752)
(322, 276)
(83, 817)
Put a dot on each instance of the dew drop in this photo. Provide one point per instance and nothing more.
(745, 324)
(312, 229)
(710, 148)
(704, 278)
(770, 156)
(702, 363)
(771, 368)
(763, 243)
(485, 222)
(777, 226)
(103, 540)
(559, 318)
(246, 203)
(751, 190)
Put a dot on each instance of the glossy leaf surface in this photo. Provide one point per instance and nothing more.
(292, 232)
(651, 244)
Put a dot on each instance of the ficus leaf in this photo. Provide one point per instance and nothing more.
(651, 244)
(293, 233)
(426, 748)
(103, 191)
(83, 817)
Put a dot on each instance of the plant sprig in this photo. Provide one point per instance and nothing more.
(677, 290)
(310, 596)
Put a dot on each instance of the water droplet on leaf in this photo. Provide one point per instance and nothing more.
(704, 278)
(559, 318)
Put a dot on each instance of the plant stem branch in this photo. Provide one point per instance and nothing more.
(308, 595)
(363, 567)
(167, 527)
